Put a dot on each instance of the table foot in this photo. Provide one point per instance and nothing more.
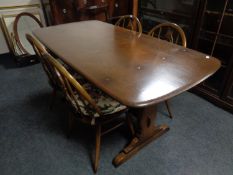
(138, 143)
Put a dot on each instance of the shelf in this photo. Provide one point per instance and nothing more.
(163, 12)
(218, 13)
(93, 8)
(148, 22)
(156, 19)
(218, 34)
(218, 42)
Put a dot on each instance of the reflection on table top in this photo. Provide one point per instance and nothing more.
(137, 71)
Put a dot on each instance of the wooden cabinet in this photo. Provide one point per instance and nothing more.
(215, 37)
(120, 7)
(62, 11)
(78, 10)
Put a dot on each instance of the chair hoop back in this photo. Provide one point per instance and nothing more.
(40, 50)
(167, 31)
(71, 86)
(37, 46)
(16, 30)
(130, 22)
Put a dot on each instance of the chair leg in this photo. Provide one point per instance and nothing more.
(97, 147)
(168, 109)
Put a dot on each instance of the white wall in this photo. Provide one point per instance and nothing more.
(3, 45)
(10, 3)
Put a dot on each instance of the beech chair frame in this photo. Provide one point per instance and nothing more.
(171, 28)
(40, 50)
(16, 32)
(130, 22)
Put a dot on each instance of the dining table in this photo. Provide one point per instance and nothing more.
(135, 69)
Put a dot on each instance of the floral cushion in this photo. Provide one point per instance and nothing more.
(106, 104)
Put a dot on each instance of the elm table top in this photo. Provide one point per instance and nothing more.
(137, 71)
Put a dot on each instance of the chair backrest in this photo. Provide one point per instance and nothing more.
(40, 50)
(170, 32)
(38, 47)
(25, 23)
(60, 77)
(130, 22)
(76, 95)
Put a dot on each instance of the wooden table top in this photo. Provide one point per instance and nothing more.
(137, 71)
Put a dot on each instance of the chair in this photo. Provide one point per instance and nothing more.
(40, 50)
(20, 47)
(89, 104)
(172, 33)
(130, 22)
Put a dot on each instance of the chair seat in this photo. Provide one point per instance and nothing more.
(106, 104)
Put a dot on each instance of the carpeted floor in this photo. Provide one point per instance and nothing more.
(32, 139)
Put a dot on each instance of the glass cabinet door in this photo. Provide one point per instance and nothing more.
(181, 12)
(216, 39)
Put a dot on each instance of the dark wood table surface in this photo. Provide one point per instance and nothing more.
(137, 71)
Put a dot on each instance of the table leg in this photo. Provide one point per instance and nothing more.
(146, 133)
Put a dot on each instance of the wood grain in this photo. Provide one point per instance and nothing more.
(137, 71)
